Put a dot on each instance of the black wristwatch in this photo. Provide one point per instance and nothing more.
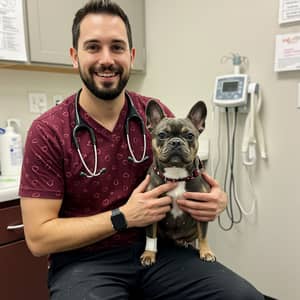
(118, 220)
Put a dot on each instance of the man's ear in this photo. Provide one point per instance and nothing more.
(74, 57)
(198, 115)
(132, 56)
(154, 114)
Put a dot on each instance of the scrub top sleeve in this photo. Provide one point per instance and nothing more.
(42, 170)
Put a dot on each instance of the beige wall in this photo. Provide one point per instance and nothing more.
(185, 41)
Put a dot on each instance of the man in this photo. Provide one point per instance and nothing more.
(88, 211)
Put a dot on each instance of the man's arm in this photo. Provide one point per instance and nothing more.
(46, 232)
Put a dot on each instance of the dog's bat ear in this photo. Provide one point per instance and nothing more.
(198, 115)
(154, 114)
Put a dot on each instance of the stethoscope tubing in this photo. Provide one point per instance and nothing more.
(81, 125)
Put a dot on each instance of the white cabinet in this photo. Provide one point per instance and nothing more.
(135, 10)
(49, 29)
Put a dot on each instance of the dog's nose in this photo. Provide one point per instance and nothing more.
(176, 142)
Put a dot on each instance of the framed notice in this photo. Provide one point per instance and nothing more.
(12, 31)
(287, 52)
(289, 11)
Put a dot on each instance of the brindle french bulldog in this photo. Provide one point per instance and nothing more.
(175, 147)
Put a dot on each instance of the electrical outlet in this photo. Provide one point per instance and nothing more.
(37, 102)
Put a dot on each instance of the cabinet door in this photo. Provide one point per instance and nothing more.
(49, 29)
(22, 276)
(135, 10)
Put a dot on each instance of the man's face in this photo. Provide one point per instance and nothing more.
(103, 56)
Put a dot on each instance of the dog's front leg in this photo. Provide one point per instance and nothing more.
(204, 250)
(148, 258)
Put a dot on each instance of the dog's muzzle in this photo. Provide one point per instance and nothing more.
(175, 143)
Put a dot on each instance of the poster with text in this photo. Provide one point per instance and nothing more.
(287, 52)
(289, 11)
(12, 32)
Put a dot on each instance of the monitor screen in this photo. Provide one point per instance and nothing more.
(230, 86)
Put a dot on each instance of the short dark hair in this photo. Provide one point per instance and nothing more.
(101, 7)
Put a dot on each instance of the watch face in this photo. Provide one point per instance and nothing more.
(118, 220)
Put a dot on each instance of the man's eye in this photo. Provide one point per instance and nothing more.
(92, 47)
(118, 48)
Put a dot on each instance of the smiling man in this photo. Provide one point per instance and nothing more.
(83, 196)
(103, 56)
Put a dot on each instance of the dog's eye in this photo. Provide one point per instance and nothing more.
(162, 135)
(190, 136)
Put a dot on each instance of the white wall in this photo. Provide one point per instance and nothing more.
(15, 86)
(185, 42)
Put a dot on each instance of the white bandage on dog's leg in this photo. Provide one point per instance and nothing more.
(151, 244)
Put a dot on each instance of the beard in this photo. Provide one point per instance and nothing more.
(106, 92)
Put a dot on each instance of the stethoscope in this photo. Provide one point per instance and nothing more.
(81, 125)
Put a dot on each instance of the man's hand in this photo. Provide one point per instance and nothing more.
(204, 206)
(147, 207)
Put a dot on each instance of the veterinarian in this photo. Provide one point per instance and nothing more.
(83, 185)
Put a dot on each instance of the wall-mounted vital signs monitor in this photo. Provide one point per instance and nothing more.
(231, 90)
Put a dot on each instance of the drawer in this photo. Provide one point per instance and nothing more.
(10, 217)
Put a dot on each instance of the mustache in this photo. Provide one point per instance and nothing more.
(111, 68)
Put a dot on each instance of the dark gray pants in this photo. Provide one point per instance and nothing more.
(116, 274)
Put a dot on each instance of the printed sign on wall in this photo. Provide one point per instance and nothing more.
(12, 33)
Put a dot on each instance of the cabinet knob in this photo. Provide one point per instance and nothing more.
(14, 227)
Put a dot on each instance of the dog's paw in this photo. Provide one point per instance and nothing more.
(207, 256)
(148, 258)
(182, 243)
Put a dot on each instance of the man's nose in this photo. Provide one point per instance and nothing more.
(106, 57)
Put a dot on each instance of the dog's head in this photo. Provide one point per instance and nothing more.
(175, 140)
